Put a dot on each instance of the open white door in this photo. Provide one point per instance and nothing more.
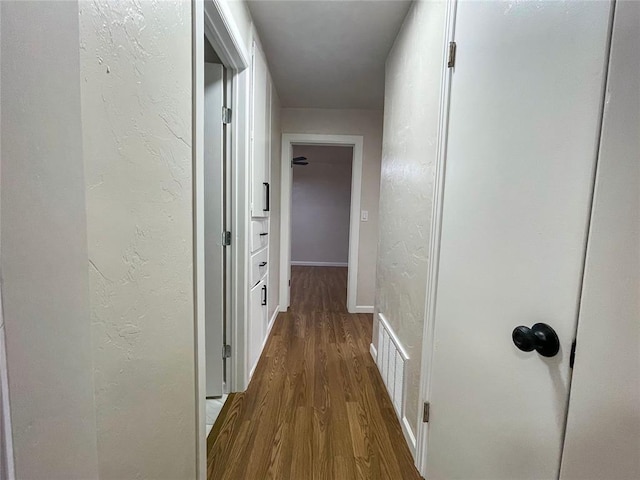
(214, 189)
(526, 100)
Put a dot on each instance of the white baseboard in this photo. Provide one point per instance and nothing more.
(305, 263)
(272, 320)
(373, 352)
(409, 436)
(363, 309)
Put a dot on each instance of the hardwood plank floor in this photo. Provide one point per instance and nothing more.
(316, 407)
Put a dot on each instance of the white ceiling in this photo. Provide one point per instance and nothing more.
(328, 54)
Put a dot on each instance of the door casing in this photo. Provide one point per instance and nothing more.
(212, 18)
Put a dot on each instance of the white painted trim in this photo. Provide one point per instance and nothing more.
(198, 236)
(304, 263)
(363, 309)
(409, 435)
(211, 18)
(264, 342)
(394, 337)
(7, 462)
(288, 140)
(224, 35)
(273, 319)
(373, 352)
(420, 455)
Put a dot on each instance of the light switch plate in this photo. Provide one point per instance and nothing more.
(364, 215)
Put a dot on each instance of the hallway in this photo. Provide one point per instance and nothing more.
(316, 407)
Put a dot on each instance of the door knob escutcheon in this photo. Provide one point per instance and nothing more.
(541, 338)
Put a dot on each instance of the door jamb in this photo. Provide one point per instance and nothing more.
(435, 236)
(288, 141)
(212, 18)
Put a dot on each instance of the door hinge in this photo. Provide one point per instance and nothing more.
(451, 62)
(226, 351)
(425, 412)
(226, 115)
(226, 238)
(572, 356)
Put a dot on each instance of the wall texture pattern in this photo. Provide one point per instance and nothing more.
(135, 61)
(412, 91)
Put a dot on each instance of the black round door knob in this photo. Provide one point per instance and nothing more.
(541, 338)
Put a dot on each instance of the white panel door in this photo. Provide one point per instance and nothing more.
(260, 145)
(214, 226)
(603, 426)
(526, 98)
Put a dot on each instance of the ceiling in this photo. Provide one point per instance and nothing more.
(328, 54)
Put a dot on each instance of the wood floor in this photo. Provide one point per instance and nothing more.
(316, 407)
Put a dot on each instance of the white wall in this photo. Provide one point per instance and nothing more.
(603, 426)
(274, 215)
(412, 90)
(367, 123)
(43, 244)
(137, 130)
(321, 205)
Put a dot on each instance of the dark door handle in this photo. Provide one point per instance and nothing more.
(264, 295)
(263, 264)
(541, 338)
(263, 234)
(266, 200)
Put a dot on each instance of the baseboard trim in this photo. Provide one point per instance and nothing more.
(363, 309)
(304, 263)
(373, 352)
(273, 319)
(264, 342)
(409, 436)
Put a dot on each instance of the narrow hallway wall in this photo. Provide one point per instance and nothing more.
(137, 130)
(43, 253)
(274, 217)
(367, 123)
(412, 92)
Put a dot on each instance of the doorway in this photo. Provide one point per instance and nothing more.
(220, 76)
(216, 217)
(315, 242)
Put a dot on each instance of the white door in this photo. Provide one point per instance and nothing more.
(214, 271)
(526, 99)
(260, 136)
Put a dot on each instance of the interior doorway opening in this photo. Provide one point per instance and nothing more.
(320, 200)
(320, 210)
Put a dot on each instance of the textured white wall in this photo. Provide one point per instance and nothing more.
(412, 92)
(321, 204)
(367, 123)
(44, 244)
(137, 129)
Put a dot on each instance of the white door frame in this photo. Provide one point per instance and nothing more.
(434, 242)
(211, 18)
(288, 141)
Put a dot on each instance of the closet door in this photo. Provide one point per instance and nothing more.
(525, 110)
